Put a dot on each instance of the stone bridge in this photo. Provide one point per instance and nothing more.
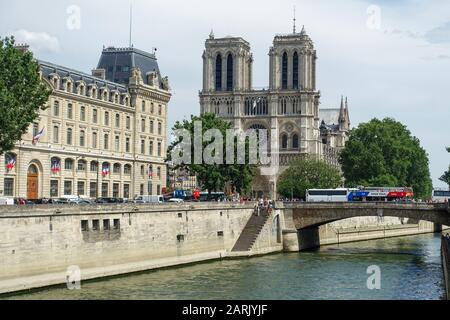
(302, 220)
(313, 214)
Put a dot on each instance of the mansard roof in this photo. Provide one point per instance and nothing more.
(118, 63)
(48, 69)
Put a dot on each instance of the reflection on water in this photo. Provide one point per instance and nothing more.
(410, 269)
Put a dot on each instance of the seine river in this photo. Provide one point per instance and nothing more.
(410, 269)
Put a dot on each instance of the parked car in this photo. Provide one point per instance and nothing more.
(149, 199)
(6, 201)
(109, 200)
(176, 200)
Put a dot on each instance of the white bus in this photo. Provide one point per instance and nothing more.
(441, 195)
(328, 195)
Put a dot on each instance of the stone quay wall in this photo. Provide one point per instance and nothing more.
(38, 244)
(446, 263)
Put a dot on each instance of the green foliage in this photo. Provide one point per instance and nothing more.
(306, 173)
(383, 153)
(214, 176)
(446, 176)
(22, 93)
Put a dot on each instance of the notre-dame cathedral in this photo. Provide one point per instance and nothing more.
(288, 108)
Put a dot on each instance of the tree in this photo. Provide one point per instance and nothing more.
(383, 153)
(22, 93)
(446, 176)
(307, 173)
(212, 176)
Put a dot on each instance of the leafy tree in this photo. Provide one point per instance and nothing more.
(307, 173)
(383, 153)
(212, 176)
(22, 93)
(446, 176)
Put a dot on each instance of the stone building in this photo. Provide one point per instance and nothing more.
(101, 135)
(288, 108)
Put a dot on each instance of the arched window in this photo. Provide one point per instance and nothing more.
(284, 71)
(284, 141)
(116, 168)
(32, 169)
(230, 72)
(69, 136)
(295, 141)
(219, 73)
(295, 71)
(81, 165)
(127, 169)
(94, 166)
(68, 164)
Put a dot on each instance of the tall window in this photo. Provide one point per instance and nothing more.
(151, 126)
(127, 169)
(159, 109)
(67, 187)
(54, 184)
(8, 187)
(284, 71)
(158, 173)
(117, 144)
(56, 109)
(295, 141)
(94, 116)
(106, 118)
(82, 113)
(69, 136)
(81, 165)
(284, 141)
(150, 146)
(127, 144)
(143, 105)
(117, 120)
(106, 142)
(80, 188)
(143, 146)
(93, 190)
(143, 125)
(55, 134)
(159, 128)
(82, 138)
(69, 111)
(295, 71)
(128, 122)
(219, 73)
(94, 140)
(159, 149)
(230, 72)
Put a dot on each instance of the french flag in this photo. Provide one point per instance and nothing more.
(56, 166)
(11, 163)
(38, 136)
(105, 170)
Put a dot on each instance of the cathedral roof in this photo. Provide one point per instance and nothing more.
(329, 116)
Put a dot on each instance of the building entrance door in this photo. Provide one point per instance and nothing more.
(32, 182)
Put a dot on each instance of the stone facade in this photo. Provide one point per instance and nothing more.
(288, 108)
(100, 138)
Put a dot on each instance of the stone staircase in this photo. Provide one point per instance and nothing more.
(251, 231)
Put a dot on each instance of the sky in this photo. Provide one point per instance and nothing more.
(390, 57)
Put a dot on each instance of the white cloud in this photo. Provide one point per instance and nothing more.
(38, 41)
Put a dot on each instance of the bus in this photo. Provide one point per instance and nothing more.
(440, 195)
(381, 194)
(328, 195)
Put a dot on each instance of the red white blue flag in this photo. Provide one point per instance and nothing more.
(38, 136)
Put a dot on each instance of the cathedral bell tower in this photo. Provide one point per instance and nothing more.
(227, 65)
(293, 62)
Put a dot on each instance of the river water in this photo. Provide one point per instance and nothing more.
(410, 269)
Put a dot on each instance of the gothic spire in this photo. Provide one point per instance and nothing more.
(342, 111)
(294, 27)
